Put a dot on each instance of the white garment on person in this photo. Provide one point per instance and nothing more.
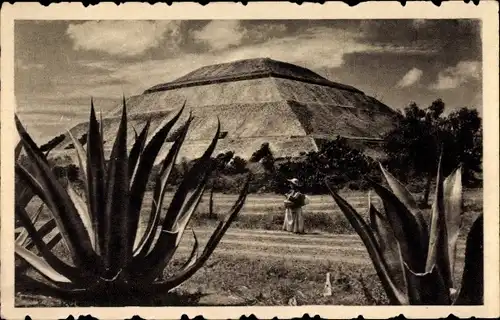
(294, 219)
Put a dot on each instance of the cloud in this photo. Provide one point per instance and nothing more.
(307, 49)
(410, 78)
(314, 48)
(265, 31)
(220, 34)
(105, 65)
(454, 77)
(122, 38)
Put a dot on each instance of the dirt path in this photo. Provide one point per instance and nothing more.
(280, 245)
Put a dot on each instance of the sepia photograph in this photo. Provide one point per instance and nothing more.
(248, 161)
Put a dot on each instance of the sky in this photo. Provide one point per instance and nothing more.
(60, 64)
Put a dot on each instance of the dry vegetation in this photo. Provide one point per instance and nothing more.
(252, 266)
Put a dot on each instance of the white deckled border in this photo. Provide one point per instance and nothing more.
(487, 11)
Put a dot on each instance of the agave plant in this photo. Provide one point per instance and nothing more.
(414, 261)
(23, 196)
(110, 255)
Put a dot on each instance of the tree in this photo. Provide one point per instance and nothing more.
(464, 144)
(413, 146)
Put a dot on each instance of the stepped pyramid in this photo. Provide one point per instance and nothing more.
(257, 100)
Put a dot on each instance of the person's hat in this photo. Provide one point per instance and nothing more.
(294, 181)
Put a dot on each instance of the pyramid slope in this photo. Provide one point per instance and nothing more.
(276, 107)
(248, 69)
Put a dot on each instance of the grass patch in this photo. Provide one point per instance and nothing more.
(256, 281)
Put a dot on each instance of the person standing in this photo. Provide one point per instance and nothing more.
(294, 201)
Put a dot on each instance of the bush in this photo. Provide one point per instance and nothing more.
(335, 162)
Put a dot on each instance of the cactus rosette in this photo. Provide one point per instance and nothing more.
(111, 256)
(416, 262)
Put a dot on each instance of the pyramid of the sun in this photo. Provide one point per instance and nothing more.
(257, 101)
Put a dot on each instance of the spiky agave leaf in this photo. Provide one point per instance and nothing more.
(17, 150)
(82, 160)
(211, 203)
(453, 201)
(82, 209)
(389, 247)
(472, 288)
(62, 208)
(212, 243)
(117, 249)
(438, 237)
(394, 295)
(96, 177)
(144, 167)
(427, 288)
(402, 193)
(72, 274)
(137, 148)
(405, 228)
(40, 265)
(194, 253)
(23, 236)
(180, 210)
(146, 241)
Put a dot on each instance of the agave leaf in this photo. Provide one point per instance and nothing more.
(155, 262)
(136, 135)
(472, 288)
(389, 248)
(118, 250)
(21, 239)
(17, 150)
(27, 140)
(179, 211)
(40, 265)
(200, 168)
(23, 194)
(58, 201)
(194, 253)
(372, 216)
(43, 231)
(54, 241)
(427, 288)
(212, 243)
(137, 148)
(69, 272)
(145, 244)
(405, 228)
(408, 200)
(47, 228)
(211, 203)
(189, 208)
(62, 290)
(141, 177)
(393, 293)
(82, 209)
(101, 128)
(82, 159)
(452, 192)
(96, 176)
(438, 238)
